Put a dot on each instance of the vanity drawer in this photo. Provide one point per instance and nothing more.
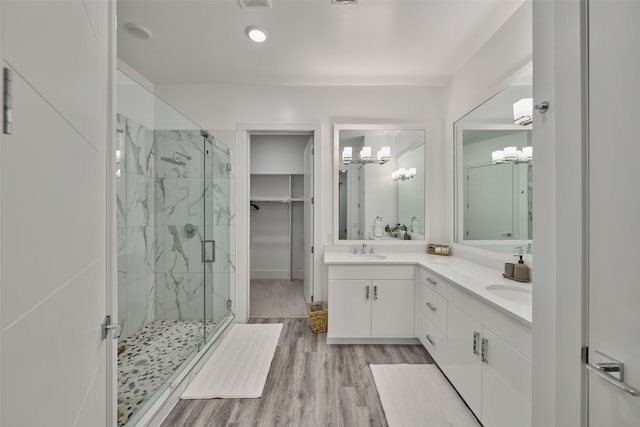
(432, 281)
(435, 342)
(434, 307)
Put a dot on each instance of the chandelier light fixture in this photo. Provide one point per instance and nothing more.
(403, 174)
(512, 155)
(382, 156)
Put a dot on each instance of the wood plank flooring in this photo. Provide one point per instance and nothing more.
(310, 384)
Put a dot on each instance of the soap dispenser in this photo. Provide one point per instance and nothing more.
(377, 227)
(415, 225)
(521, 271)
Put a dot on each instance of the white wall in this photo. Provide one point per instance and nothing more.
(224, 107)
(278, 154)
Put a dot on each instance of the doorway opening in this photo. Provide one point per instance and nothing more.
(281, 224)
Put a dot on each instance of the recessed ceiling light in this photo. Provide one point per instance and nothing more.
(138, 31)
(256, 34)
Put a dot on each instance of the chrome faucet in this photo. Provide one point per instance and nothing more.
(363, 249)
(355, 250)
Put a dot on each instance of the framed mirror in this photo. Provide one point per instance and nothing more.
(493, 162)
(379, 183)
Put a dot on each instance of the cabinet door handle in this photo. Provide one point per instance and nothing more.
(430, 280)
(368, 291)
(375, 292)
(485, 350)
(431, 307)
(476, 338)
(433, 343)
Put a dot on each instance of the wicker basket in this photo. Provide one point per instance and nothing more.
(317, 316)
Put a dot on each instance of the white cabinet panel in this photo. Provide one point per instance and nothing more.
(464, 367)
(506, 385)
(349, 308)
(370, 272)
(392, 309)
(434, 306)
(435, 341)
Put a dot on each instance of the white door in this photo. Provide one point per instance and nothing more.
(506, 385)
(614, 211)
(392, 309)
(463, 349)
(350, 313)
(489, 210)
(53, 222)
(308, 221)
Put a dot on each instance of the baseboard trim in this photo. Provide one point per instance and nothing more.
(397, 341)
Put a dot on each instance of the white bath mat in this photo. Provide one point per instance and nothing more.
(238, 368)
(419, 395)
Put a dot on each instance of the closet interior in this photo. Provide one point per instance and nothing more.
(278, 195)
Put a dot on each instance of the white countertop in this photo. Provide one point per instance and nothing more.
(471, 277)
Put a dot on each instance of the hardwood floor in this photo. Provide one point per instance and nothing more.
(310, 384)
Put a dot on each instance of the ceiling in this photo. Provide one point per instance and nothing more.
(311, 42)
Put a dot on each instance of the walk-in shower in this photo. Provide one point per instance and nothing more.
(174, 261)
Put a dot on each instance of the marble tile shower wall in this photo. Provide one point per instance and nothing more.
(184, 194)
(136, 234)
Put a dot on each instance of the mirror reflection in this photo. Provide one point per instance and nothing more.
(380, 183)
(494, 156)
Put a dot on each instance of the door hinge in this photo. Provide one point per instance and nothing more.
(313, 151)
(584, 355)
(312, 250)
(312, 200)
(228, 304)
(7, 110)
(108, 326)
(228, 167)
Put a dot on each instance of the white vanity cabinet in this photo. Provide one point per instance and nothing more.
(370, 302)
(489, 361)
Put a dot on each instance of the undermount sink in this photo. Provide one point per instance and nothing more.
(366, 256)
(517, 294)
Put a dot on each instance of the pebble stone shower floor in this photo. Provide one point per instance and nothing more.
(151, 355)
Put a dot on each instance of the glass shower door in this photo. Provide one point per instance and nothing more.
(216, 248)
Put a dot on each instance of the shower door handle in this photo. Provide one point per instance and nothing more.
(212, 245)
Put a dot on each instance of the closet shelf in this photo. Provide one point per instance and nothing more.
(270, 199)
(277, 199)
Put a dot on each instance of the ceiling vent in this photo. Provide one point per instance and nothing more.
(344, 1)
(255, 4)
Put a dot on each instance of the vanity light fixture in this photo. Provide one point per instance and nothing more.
(512, 155)
(382, 156)
(403, 174)
(256, 34)
(523, 112)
